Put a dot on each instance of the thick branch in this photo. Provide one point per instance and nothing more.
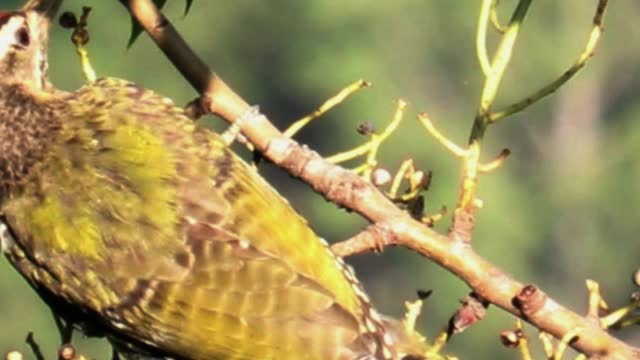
(346, 189)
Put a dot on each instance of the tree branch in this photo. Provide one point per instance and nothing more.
(346, 189)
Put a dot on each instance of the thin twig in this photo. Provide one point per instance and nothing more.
(617, 317)
(326, 106)
(499, 64)
(372, 146)
(35, 347)
(584, 56)
(405, 168)
(465, 207)
(523, 346)
(481, 36)
(495, 21)
(495, 163)
(425, 120)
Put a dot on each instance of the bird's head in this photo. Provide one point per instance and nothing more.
(23, 43)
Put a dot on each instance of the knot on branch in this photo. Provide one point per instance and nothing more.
(375, 237)
(529, 300)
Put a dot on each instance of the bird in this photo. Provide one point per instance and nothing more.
(134, 222)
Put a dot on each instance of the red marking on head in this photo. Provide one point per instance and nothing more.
(5, 16)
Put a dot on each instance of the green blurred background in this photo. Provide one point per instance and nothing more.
(562, 210)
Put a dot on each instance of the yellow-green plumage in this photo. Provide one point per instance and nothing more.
(135, 223)
(158, 223)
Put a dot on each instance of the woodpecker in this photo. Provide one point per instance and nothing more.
(135, 223)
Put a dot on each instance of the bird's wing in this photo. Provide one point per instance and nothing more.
(177, 243)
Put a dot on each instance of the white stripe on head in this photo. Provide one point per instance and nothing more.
(8, 32)
(38, 37)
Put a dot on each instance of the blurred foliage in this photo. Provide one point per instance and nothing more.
(561, 210)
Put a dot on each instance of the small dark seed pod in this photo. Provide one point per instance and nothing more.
(80, 37)
(511, 338)
(424, 294)
(366, 128)
(68, 20)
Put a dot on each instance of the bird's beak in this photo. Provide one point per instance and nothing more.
(45, 10)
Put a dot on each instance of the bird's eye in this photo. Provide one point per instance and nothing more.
(22, 37)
